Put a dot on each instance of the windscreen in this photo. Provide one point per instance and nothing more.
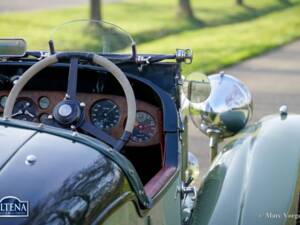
(91, 36)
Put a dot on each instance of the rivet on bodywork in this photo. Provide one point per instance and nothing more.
(30, 160)
(283, 110)
(131, 172)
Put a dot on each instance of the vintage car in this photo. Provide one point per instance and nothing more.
(94, 133)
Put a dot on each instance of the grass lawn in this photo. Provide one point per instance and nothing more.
(229, 33)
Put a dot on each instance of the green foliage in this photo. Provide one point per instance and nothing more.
(230, 33)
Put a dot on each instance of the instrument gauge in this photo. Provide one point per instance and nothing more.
(44, 102)
(44, 117)
(3, 100)
(24, 110)
(144, 128)
(105, 114)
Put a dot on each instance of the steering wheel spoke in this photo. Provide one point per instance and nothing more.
(98, 133)
(72, 79)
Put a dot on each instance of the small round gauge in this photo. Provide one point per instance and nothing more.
(105, 114)
(44, 102)
(24, 110)
(144, 128)
(44, 117)
(3, 101)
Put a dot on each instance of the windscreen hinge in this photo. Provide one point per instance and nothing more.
(142, 61)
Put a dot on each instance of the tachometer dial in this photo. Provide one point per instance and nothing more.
(24, 110)
(105, 114)
(144, 128)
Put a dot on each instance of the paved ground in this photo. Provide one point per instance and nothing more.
(29, 5)
(274, 80)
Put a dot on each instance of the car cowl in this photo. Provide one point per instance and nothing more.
(62, 180)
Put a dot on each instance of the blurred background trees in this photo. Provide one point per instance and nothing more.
(95, 9)
(185, 9)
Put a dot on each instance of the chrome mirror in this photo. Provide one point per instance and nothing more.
(12, 48)
(196, 89)
(228, 108)
(225, 112)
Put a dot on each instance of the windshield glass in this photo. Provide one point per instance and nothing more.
(91, 36)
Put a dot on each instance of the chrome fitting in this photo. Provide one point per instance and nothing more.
(283, 110)
(184, 55)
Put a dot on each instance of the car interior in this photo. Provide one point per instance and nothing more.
(105, 108)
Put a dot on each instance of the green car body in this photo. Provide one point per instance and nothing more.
(255, 178)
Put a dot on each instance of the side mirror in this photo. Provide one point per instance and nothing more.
(198, 89)
(12, 47)
(225, 112)
(228, 108)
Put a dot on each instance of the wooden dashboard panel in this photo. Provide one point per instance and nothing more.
(89, 99)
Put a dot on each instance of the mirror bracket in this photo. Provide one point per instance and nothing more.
(214, 140)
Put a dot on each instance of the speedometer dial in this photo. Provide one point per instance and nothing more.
(105, 114)
(144, 128)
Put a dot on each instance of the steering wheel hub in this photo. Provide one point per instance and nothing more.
(67, 112)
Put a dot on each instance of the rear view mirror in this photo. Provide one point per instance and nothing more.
(198, 87)
(12, 47)
(198, 91)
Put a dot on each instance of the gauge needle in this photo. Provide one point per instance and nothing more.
(17, 113)
(105, 114)
(29, 114)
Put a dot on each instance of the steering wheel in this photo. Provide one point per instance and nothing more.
(69, 112)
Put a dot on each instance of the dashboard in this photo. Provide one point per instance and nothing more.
(106, 112)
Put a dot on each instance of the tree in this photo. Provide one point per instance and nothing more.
(239, 2)
(185, 9)
(285, 2)
(95, 10)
